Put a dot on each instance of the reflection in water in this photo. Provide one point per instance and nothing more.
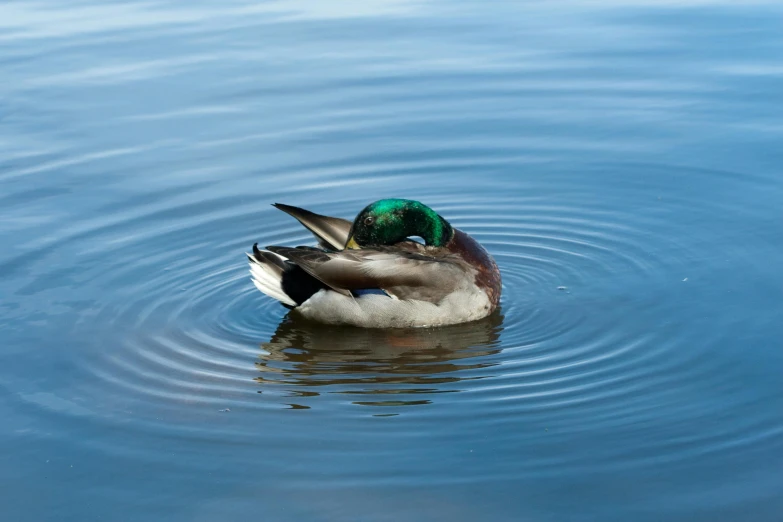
(311, 358)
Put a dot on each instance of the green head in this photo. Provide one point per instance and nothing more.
(389, 221)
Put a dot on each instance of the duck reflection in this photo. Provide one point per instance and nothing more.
(309, 359)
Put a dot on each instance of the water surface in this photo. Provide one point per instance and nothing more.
(622, 162)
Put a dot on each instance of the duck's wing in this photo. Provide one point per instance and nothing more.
(331, 232)
(400, 273)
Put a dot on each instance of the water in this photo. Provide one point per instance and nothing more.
(621, 162)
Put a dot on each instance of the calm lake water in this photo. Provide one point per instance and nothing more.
(622, 161)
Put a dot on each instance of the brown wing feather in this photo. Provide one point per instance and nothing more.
(308, 259)
(331, 232)
(402, 272)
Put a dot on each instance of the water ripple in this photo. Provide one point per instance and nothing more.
(187, 328)
(637, 232)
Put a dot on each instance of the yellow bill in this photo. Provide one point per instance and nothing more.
(352, 244)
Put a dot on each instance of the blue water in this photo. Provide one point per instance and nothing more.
(621, 161)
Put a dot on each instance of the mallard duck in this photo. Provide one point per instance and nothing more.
(369, 273)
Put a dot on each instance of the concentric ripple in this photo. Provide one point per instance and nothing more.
(596, 316)
(620, 164)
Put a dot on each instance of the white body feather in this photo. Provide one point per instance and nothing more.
(377, 311)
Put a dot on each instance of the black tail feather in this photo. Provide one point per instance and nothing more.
(295, 282)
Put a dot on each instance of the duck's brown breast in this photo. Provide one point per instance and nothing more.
(487, 272)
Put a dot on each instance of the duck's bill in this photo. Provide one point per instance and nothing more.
(352, 244)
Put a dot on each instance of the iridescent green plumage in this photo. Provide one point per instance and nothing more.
(389, 221)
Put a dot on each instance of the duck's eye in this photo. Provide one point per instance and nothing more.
(369, 220)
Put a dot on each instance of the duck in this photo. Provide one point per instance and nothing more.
(372, 273)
